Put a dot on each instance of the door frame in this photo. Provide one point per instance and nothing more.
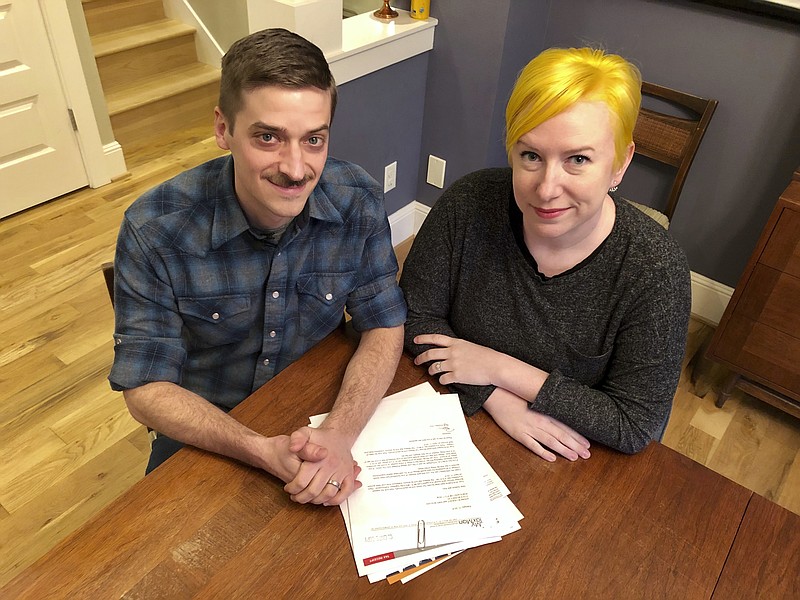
(101, 163)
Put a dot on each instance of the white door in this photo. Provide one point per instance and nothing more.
(39, 153)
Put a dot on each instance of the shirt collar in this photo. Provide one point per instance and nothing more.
(319, 203)
(230, 221)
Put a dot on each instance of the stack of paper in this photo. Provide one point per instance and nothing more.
(427, 492)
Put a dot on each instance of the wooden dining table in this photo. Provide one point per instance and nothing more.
(651, 525)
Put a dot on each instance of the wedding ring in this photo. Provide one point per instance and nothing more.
(335, 483)
(439, 367)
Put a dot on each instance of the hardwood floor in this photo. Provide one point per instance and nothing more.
(748, 441)
(69, 445)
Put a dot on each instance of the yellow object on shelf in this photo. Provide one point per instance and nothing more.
(420, 9)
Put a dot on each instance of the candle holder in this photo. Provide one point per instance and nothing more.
(385, 12)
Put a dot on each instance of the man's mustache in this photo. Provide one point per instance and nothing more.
(282, 180)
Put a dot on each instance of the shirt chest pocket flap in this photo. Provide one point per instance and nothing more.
(322, 298)
(217, 320)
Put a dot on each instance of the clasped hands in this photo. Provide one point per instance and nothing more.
(314, 460)
(455, 360)
(318, 466)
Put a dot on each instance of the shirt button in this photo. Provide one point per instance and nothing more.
(215, 316)
(328, 296)
(266, 362)
(275, 294)
(272, 334)
(117, 342)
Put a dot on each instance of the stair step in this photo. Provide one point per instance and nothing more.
(103, 16)
(159, 150)
(136, 36)
(144, 51)
(158, 95)
(191, 111)
(163, 85)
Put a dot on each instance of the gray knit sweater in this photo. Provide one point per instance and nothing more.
(610, 332)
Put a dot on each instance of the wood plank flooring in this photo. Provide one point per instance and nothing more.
(69, 445)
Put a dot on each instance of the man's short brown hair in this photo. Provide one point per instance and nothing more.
(271, 57)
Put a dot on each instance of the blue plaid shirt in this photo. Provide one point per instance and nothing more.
(204, 302)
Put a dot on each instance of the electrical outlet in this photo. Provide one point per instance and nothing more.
(436, 167)
(389, 177)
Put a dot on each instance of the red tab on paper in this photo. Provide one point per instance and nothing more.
(378, 558)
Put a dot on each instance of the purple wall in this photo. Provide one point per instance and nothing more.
(525, 34)
(465, 77)
(750, 64)
(379, 120)
(747, 62)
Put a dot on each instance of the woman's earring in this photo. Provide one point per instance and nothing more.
(613, 187)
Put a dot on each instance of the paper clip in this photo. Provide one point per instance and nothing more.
(420, 534)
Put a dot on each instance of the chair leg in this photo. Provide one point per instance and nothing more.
(701, 370)
(726, 389)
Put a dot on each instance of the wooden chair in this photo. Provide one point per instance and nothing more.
(108, 273)
(670, 139)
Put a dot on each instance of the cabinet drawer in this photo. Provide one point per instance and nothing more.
(759, 334)
(783, 248)
(763, 354)
(772, 298)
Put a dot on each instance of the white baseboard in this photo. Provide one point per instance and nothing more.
(114, 159)
(709, 297)
(407, 221)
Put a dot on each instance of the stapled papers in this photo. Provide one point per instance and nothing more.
(427, 492)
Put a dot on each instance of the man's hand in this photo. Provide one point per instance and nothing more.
(366, 378)
(311, 484)
(290, 452)
(458, 361)
(532, 429)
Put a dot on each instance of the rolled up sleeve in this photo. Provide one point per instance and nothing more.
(147, 333)
(377, 301)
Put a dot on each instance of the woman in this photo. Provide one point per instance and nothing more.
(560, 310)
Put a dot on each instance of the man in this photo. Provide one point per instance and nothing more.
(232, 270)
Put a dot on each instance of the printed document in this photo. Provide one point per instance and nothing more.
(426, 489)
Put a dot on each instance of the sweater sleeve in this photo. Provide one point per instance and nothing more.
(429, 280)
(630, 405)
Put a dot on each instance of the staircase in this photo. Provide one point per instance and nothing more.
(159, 96)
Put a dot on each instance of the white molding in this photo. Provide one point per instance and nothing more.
(318, 21)
(420, 213)
(401, 223)
(370, 44)
(406, 222)
(115, 160)
(76, 90)
(354, 47)
(208, 50)
(709, 297)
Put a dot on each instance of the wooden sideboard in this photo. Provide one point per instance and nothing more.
(758, 338)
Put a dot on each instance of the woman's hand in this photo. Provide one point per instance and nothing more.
(458, 361)
(537, 432)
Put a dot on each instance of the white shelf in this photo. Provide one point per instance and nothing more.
(370, 44)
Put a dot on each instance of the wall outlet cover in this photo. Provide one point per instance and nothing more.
(389, 177)
(436, 167)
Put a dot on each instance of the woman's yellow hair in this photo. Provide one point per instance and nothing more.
(560, 77)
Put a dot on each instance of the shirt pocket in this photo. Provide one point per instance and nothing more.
(321, 301)
(587, 369)
(216, 320)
